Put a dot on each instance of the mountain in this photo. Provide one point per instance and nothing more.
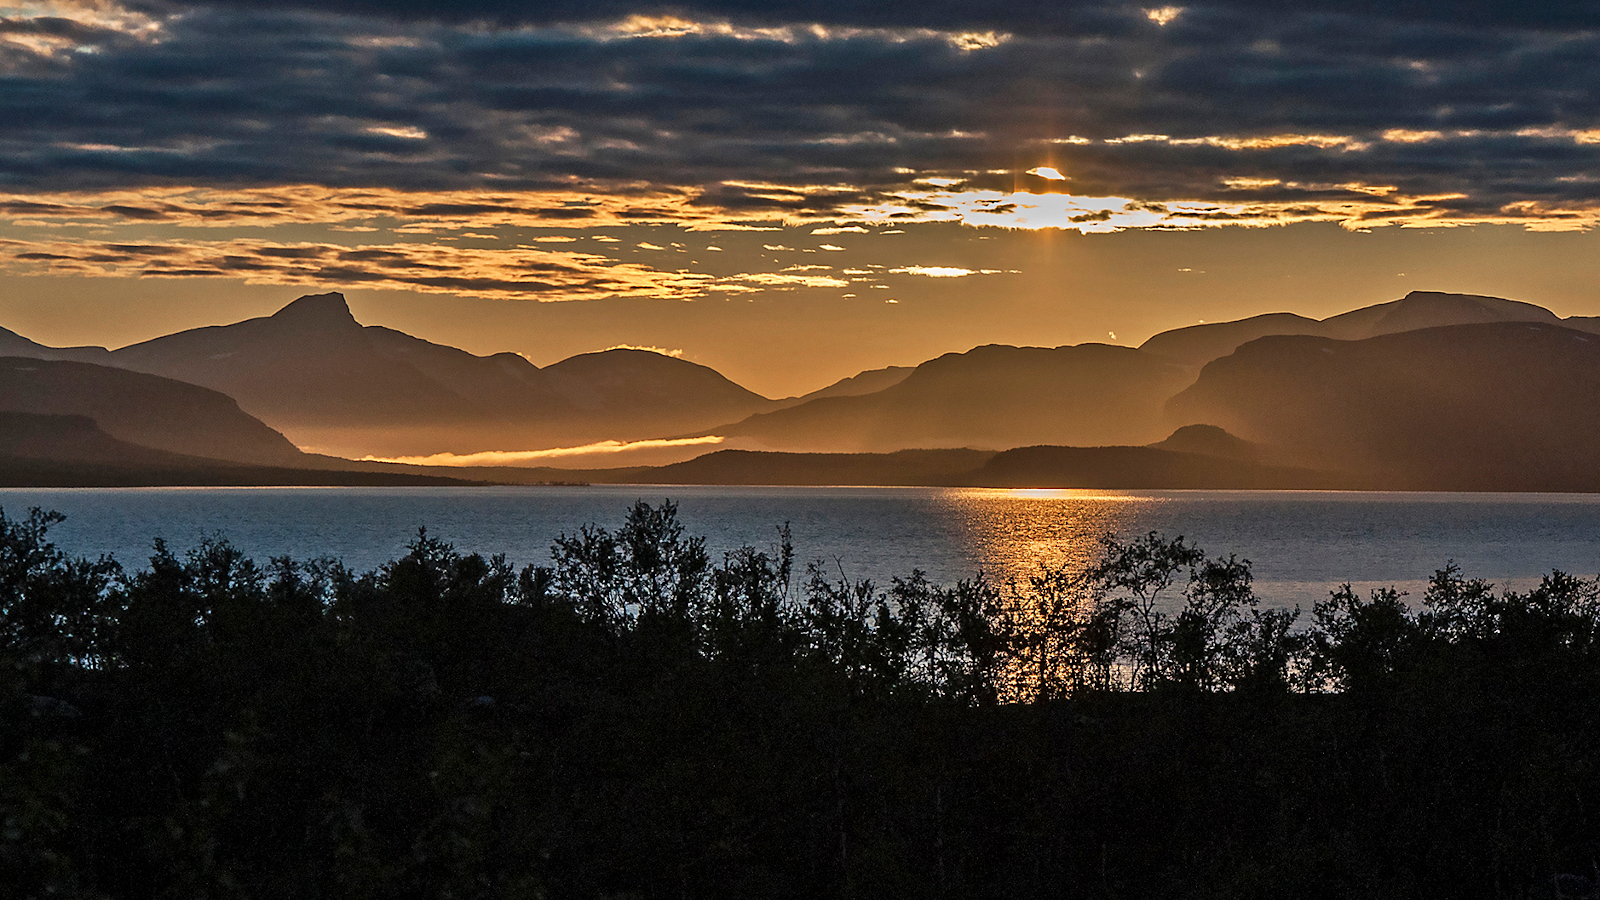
(1031, 467)
(13, 344)
(1199, 344)
(992, 396)
(868, 382)
(1138, 467)
(153, 412)
(38, 450)
(76, 439)
(315, 373)
(1209, 440)
(639, 393)
(1498, 406)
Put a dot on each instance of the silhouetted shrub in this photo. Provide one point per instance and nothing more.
(640, 719)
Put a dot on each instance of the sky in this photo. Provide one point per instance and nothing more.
(789, 193)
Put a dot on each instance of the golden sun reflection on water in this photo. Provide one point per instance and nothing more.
(1011, 533)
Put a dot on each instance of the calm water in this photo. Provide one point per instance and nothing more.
(1301, 543)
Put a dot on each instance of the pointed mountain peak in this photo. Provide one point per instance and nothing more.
(320, 311)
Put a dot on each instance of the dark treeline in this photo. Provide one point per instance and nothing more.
(642, 720)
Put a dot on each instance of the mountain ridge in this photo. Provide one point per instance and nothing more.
(1199, 344)
(312, 363)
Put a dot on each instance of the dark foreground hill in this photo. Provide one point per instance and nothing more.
(72, 451)
(150, 411)
(1506, 406)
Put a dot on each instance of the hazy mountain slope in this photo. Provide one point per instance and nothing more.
(993, 397)
(143, 409)
(310, 363)
(38, 450)
(1199, 344)
(868, 382)
(13, 344)
(76, 439)
(1506, 406)
(1431, 309)
(646, 393)
(1590, 324)
(328, 382)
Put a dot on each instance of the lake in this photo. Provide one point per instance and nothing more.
(1302, 543)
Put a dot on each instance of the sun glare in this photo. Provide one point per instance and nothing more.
(1163, 15)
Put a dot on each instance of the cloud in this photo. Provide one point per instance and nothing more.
(736, 115)
(675, 354)
(782, 281)
(516, 274)
(943, 271)
(517, 457)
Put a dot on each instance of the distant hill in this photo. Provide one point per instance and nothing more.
(1032, 467)
(1199, 344)
(907, 467)
(1500, 406)
(1210, 441)
(1139, 467)
(991, 397)
(624, 394)
(154, 412)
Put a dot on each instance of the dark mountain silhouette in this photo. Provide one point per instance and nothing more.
(907, 467)
(75, 439)
(1199, 344)
(154, 412)
(1210, 441)
(1138, 467)
(1219, 460)
(317, 374)
(1500, 406)
(39, 450)
(993, 396)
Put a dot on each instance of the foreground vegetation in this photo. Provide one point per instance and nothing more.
(641, 720)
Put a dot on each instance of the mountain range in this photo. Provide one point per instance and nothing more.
(1432, 390)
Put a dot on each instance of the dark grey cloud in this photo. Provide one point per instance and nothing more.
(1492, 100)
(1032, 16)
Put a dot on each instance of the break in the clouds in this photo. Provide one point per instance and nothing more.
(425, 118)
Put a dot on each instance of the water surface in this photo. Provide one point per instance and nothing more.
(1301, 543)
